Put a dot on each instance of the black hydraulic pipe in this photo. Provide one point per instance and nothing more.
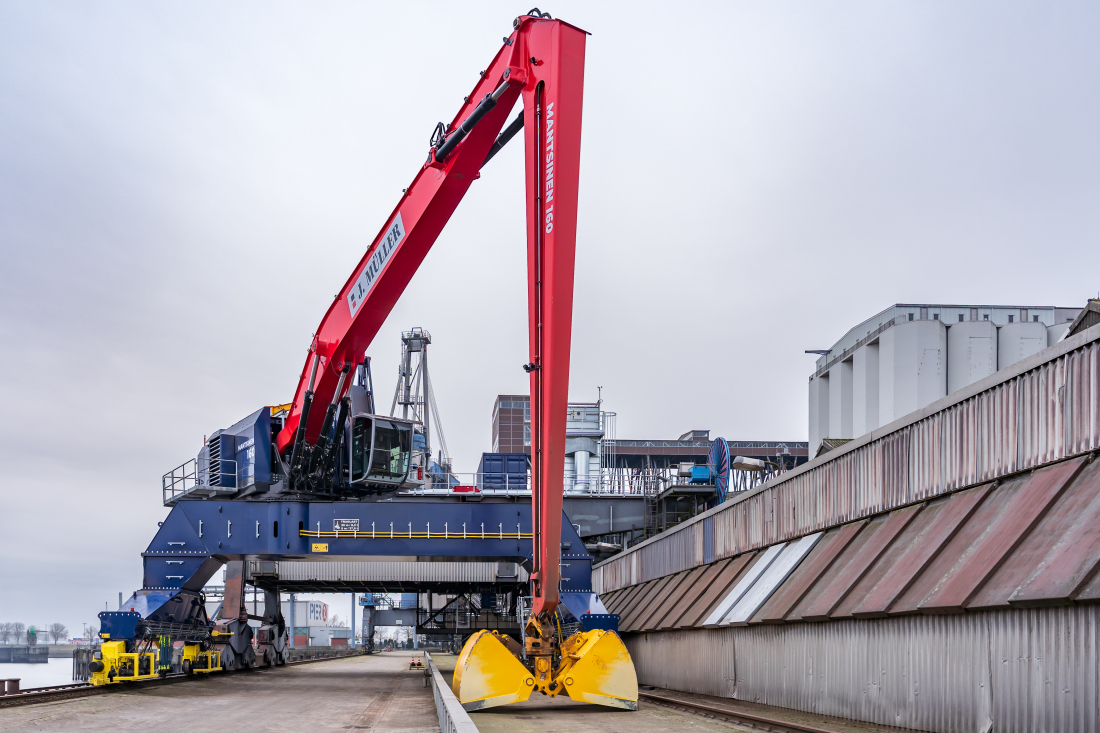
(327, 459)
(506, 134)
(326, 425)
(483, 108)
(303, 420)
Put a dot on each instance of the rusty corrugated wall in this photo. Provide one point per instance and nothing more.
(1042, 409)
(1006, 671)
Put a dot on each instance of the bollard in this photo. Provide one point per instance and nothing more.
(3, 686)
(12, 685)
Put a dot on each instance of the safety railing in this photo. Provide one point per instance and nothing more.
(202, 477)
(386, 601)
(394, 531)
(475, 485)
(452, 718)
(467, 616)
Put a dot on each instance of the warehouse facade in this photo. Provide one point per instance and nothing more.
(938, 573)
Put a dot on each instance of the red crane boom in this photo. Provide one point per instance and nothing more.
(542, 61)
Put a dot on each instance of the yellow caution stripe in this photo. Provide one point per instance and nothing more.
(397, 534)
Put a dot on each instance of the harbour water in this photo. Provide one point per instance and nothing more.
(55, 672)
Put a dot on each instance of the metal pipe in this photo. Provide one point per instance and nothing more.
(292, 629)
(307, 402)
(352, 620)
(504, 137)
(321, 448)
(483, 108)
(580, 466)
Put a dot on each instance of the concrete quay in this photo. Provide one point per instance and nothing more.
(377, 692)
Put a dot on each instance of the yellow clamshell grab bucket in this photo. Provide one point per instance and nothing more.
(595, 667)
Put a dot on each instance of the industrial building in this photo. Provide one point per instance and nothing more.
(585, 429)
(598, 461)
(910, 355)
(939, 573)
(312, 624)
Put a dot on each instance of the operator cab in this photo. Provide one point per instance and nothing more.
(381, 456)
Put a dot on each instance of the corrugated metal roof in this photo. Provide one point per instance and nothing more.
(744, 582)
(1056, 557)
(684, 609)
(670, 594)
(626, 602)
(828, 444)
(700, 607)
(640, 605)
(851, 566)
(1036, 412)
(806, 574)
(770, 579)
(1087, 318)
(914, 550)
(999, 538)
(692, 589)
(1033, 540)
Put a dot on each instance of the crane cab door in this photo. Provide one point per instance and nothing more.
(380, 449)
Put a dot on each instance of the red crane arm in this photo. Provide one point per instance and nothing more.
(542, 61)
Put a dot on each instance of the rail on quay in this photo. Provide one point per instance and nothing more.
(452, 718)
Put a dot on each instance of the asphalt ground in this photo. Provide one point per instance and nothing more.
(377, 692)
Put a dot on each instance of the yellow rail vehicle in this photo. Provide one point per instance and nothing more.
(113, 664)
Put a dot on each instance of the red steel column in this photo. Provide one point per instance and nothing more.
(552, 123)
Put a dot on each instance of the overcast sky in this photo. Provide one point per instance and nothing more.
(184, 186)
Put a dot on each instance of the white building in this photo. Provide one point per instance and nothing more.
(909, 356)
(311, 625)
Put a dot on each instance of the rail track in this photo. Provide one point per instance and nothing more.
(56, 693)
(752, 720)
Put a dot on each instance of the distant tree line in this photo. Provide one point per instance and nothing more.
(13, 632)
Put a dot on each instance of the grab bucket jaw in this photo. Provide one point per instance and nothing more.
(595, 668)
(489, 674)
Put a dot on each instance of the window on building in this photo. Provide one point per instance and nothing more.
(1011, 319)
(1035, 319)
(985, 317)
(910, 316)
(960, 318)
(935, 316)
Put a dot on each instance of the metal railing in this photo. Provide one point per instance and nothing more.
(452, 718)
(605, 482)
(385, 601)
(197, 476)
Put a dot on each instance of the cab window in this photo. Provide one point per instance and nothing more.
(390, 451)
(360, 455)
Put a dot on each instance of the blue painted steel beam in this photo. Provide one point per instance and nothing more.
(199, 536)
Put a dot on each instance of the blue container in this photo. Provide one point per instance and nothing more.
(500, 471)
